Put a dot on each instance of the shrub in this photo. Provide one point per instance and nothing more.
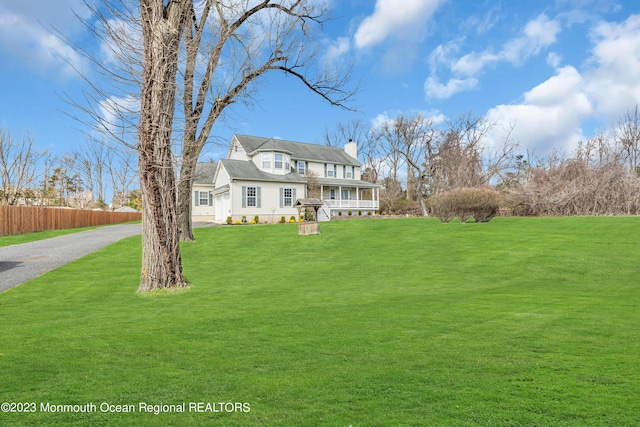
(256, 219)
(283, 220)
(369, 213)
(252, 222)
(244, 219)
(349, 212)
(229, 220)
(292, 219)
(237, 222)
(481, 204)
(359, 213)
(339, 213)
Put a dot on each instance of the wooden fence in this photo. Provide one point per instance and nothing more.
(28, 219)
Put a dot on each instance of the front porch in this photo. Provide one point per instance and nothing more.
(342, 198)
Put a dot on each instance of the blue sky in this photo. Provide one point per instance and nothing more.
(556, 70)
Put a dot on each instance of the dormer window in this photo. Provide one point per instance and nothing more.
(266, 160)
(278, 161)
(301, 167)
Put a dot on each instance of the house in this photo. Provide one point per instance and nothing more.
(265, 177)
(202, 208)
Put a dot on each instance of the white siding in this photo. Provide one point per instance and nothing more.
(269, 210)
(200, 211)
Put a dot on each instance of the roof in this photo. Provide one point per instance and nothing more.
(297, 150)
(310, 202)
(204, 173)
(126, 209)
(247, 171)
(333, 182)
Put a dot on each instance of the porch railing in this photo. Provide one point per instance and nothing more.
(352, 204)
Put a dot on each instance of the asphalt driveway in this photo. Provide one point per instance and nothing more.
(21, 263)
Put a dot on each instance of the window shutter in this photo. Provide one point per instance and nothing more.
(210, 198)
(325, 170)
(244, 196)
(197, 198)
(281, 197)
(258, 196)
(344, 171)
(293, 196)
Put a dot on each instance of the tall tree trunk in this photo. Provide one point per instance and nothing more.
(162, 28)
(185, 190)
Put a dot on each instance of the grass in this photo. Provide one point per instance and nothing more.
(517, 322)
(41, 235)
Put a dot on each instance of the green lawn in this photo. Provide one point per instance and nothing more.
(408, 322)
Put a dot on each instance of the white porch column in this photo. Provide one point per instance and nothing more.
(358, 197)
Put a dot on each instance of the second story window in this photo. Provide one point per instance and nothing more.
(301, 167)
(266, 160)
(348, 172)
(278, 161)
(329, 171)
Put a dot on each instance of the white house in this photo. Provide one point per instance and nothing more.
(202, 208)
(265, 176)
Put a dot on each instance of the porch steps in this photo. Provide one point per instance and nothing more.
(324, 214)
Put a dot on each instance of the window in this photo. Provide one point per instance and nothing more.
(346, 195)
(332, 194)
(329, 171)
(348, 172)
(278, 161)
(251, 196)
(287, 196)
(287, 164)
(203, 198)
(301, 167)
(266, 160)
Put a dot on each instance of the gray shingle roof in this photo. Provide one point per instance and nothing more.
(298, 150)
(247, 171)
(204, 173)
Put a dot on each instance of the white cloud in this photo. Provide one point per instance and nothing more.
(434, 89)
(472, 63)
(614, 79)
(538, 34)
(554, 59)
(550, 116)
(397, 18)
(27, 32)
(116, 112)
(337, 50)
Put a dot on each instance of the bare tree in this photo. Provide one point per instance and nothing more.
(229, 46)
(628, 138)
(92, 161)
(414, 139)
(18, 167)
(121, 169)
(353, 130)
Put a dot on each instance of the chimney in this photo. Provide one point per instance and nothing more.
(351, 148)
